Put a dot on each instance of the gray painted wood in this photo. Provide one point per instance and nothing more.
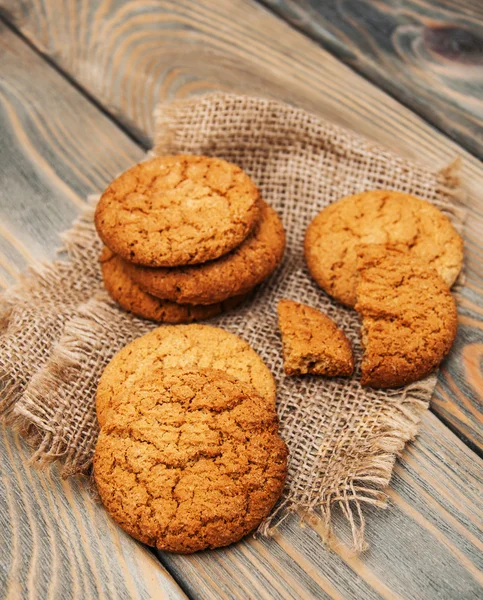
(57, 543)
(426, 53)
(56, 148)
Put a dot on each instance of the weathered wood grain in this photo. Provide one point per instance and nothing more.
(428, 54)
(427, 544)
(429, 512)
(130, 55)
(57, 543)
(55, 148)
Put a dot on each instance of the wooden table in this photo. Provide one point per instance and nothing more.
(78, 83)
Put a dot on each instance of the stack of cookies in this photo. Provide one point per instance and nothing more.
(189, 455)
(186, 237)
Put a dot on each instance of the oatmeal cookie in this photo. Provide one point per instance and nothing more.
(391, 218)
(177, 210)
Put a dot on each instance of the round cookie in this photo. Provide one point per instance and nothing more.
(232, 274)
(132, 298)
(177, 210)
(378, 217)
(409, 317)
(183, 347)
(193, 461)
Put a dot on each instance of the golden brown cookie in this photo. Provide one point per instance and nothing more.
(312, 342)
(183, 347)
(409, 317)
(232, 274)
(132, 298)
(177, 210)
(378, 217)
(193, 461)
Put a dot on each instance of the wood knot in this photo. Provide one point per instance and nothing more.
(455, 43)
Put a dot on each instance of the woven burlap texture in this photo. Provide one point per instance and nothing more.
(60, 329)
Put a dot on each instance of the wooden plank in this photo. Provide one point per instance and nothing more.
(56, 147)
(294, 564)
(427, 53)
(57, 543)
(131, 55)
(428, 544)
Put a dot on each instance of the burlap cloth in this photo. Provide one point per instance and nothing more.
(59, 329)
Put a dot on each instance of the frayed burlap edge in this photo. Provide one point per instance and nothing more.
(365, 487)
(73, 240)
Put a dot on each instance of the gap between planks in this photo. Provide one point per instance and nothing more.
(136, 136)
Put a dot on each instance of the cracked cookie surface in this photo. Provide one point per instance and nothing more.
(132, 298)
(192, 461)
(177, 210)
(183, 347)
(312, 342)
(391, 218)
(232, 274)
(409, 317)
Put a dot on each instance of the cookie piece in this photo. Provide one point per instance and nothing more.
(183, 347)
(312, 342)
(177, 210)
(409, 317)
(193, 461)
(132, 298)
(378, 217)
(232, 274)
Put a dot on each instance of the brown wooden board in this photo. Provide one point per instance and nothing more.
(428, 54)
(130, 55)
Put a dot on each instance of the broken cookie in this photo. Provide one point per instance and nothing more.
(409, 317)
(312, 342)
